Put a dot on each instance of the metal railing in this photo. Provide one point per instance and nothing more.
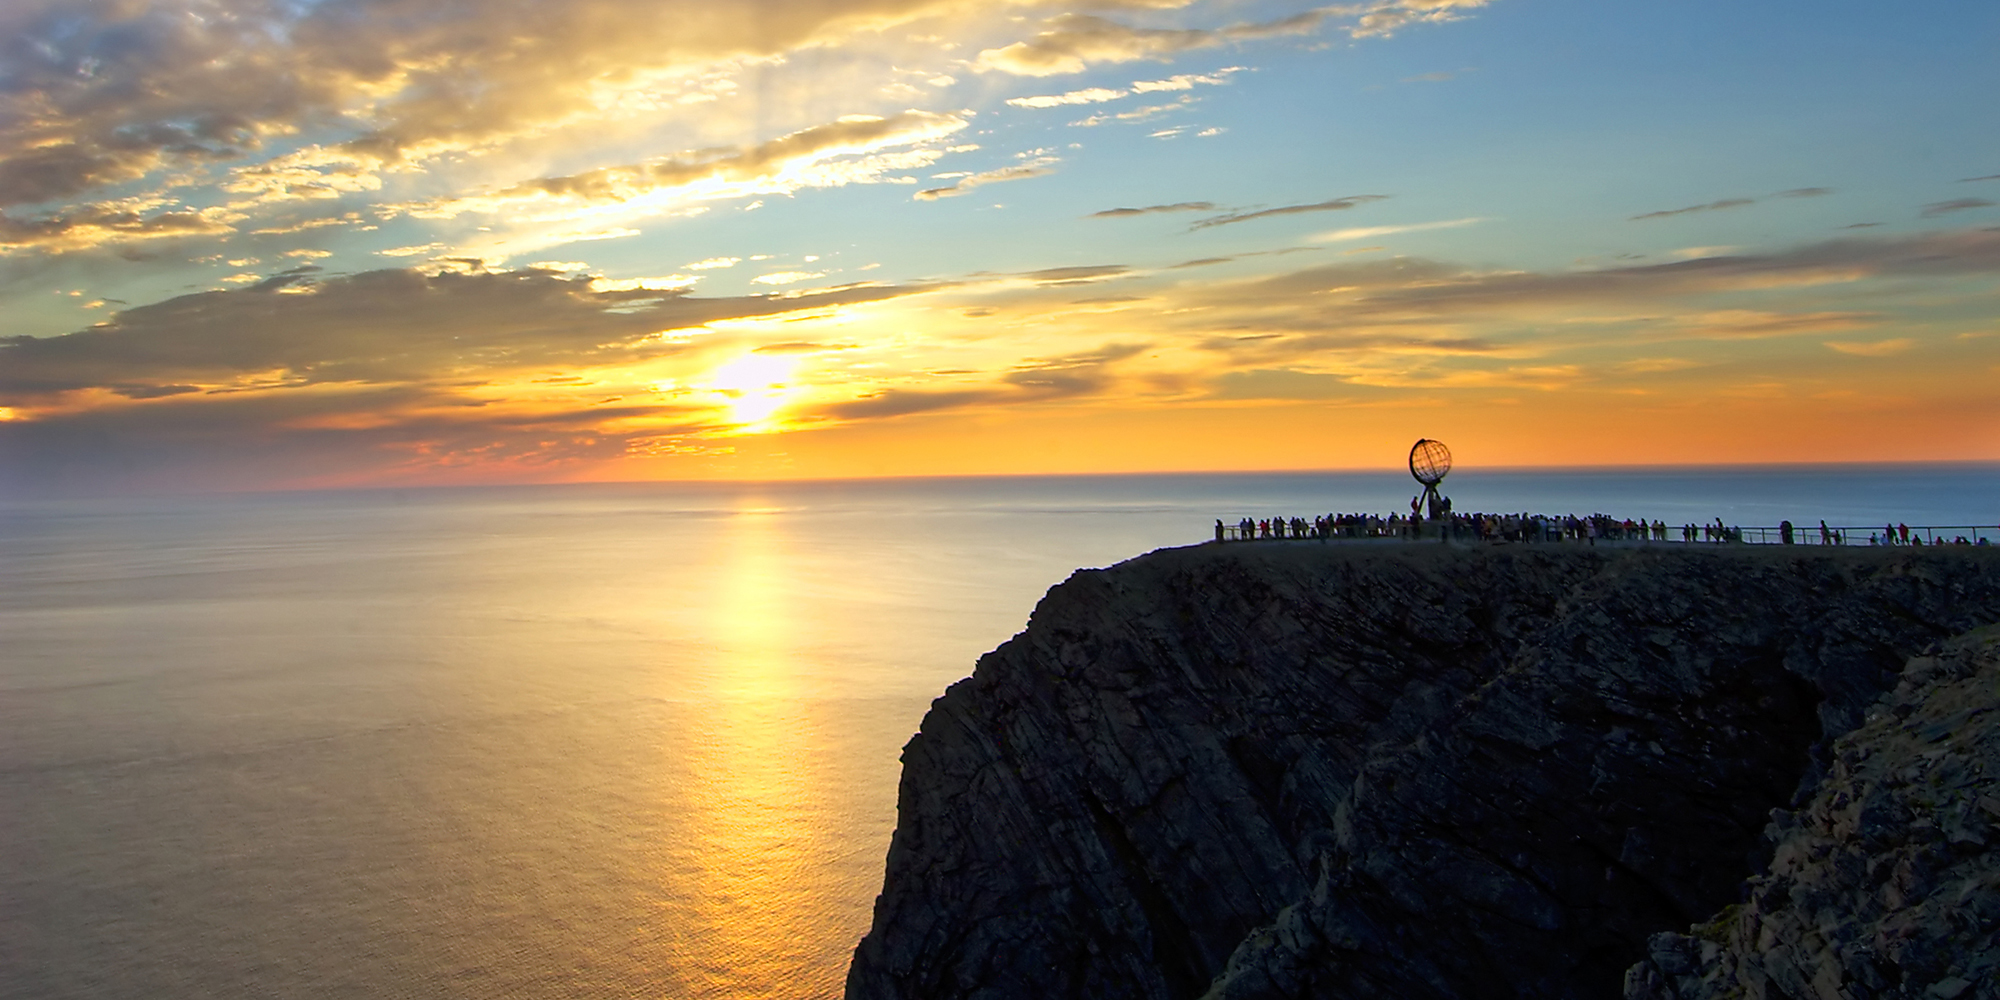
(1557, 530)
(1880, 534)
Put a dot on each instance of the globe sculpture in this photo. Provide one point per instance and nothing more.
(1430, 462)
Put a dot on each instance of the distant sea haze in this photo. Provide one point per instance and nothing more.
(574, 741)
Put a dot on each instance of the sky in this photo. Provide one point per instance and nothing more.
(279, 244)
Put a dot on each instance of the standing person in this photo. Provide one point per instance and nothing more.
(1218, 529)
(1785, 532)
(1903, 530)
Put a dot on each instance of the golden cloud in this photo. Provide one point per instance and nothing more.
(847, 151)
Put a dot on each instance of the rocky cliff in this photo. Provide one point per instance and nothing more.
(1361, 770)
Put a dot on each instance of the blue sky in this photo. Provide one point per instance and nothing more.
(262, 245)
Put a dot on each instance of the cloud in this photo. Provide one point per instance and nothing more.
(800, 347)
(903, 402)
(1093, 95)
(1140, 114)
(810, 157)
(411, 251)
(339, 437)
(1370, 232)
(1099, 95)
(1335, 205)
(1750, 324)
(1038, 167)
(1179, 206)
(103, 94)
(1035, 380)
(1873, 349)
(1390, 16)
(1073, 42)
(1186, 81)
(1937, 208)
(1413, 284)
(1713, 206)
(403, 372)
(89, 226)
(1729, 203)
(1076, 275)
(786, 277)
(379, 327)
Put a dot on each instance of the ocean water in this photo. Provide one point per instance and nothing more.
(570, 741)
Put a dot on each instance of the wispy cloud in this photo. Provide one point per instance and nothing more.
(1186, 81)
(1729, 203)
(1077, 275)
(847, 151)
(786, 277)
(1370, 232)
(1386, 17)
(1873, 348)
(1937, 208)
(1333, 205)
(1074, 42)
(1093, 95)
(1179, 206)
(1099, 95)
(1713, 206)
(1037, 167)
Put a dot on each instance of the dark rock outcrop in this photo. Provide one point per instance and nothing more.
(1384, 770)
(1883, 885)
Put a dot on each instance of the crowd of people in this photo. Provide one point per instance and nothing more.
(1525, 527)
(1521, 527)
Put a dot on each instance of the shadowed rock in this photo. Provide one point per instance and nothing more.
(1382, 770)
(1884, 884)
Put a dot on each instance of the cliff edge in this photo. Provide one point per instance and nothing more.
(1407, 770)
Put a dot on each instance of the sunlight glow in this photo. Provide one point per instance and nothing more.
(755, 386)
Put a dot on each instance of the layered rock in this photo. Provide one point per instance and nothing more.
(1362, 770)
(1884, 885)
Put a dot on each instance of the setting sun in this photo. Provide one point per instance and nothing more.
(754, 385)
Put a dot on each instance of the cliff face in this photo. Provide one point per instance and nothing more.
(1383, 770)
(1883, 885)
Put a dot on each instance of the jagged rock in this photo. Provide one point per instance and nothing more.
(1885, 884)
(1382, 770)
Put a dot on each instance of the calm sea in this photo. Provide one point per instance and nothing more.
(574, 741)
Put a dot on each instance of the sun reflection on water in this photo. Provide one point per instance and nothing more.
(760, 884)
